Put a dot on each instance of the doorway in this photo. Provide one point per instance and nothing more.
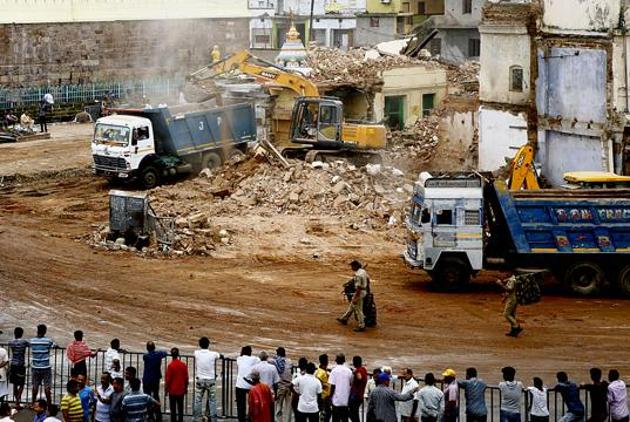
(394, 111)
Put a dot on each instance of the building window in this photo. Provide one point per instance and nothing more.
(428, 104)
(374, 22)
(395, 111)
(444, 217)
(260, 4)
(435, 47)
(405, 7)
(516, 78)
(474, 47)
(263, 39)
(319, 36)
(467, 7)
(422, 8)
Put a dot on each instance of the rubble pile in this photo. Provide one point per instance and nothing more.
(464, 76)
(367, 198)
(334, 66)
(417, 143)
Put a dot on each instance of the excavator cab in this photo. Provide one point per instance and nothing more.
(317, 122)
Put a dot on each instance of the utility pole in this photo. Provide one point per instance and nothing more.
(310, 24)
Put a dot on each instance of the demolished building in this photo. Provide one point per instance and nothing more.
(556, 75)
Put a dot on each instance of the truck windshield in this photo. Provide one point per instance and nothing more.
(110, 134)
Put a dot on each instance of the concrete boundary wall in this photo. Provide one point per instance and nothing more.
(41, 11)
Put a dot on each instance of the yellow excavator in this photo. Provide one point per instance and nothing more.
(317, 127)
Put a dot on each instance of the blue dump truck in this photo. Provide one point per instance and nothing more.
(152, 144)
(460, 224)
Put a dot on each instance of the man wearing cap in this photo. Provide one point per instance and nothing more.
(382, 400)
(451, 396)
(361, 281)
(509, 298)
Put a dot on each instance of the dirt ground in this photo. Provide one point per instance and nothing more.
(267, 289)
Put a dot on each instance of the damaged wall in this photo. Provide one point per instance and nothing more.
(368, 36)
(499, 132)
(572, 105)
(82, 52)
(581, 15)
(39, 11)
(504, 51)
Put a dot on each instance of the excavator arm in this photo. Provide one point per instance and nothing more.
(523, 174)
(267, 73)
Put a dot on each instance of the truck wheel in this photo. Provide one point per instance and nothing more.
(149, 178)
(211, 161)
(451, 273)
(585, 278)
(624, 280)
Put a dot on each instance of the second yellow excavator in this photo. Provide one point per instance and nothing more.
(318, 129)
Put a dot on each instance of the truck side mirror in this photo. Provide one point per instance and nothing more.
(134, 137)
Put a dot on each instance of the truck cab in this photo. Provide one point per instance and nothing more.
(120, 143)
(445, 227)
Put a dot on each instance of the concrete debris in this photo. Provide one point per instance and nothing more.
(335, 67)
(364, 201)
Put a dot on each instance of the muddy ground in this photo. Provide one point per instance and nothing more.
(266, 289)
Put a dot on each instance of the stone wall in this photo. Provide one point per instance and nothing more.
(35, 54)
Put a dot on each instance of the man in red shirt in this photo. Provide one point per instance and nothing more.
(357, 388)
(176, 385)
(260, 400)
(77, 352)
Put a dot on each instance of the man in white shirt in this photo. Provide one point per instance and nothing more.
(103, 394)
(244, 363)
(113, 353)
(430, 400)
(407, 409)
(309, 388)
(267, 371)
(205, 381)
(340, 380)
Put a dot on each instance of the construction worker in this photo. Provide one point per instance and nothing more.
(360, 282)
(215, 54)
(511, 303)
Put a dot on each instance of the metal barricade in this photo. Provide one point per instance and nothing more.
(226, 370)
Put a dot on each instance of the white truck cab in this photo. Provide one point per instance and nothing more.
(445, 227)
(120, 143)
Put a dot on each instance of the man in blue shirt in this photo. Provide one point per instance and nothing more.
(571, 397)
(152, 376)
(86, 394)
(136, 404)
(474, 391)
(40, 410)
(40, 362)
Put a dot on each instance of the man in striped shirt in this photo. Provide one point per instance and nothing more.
(40, 362)
(71, 407)
(136, 404)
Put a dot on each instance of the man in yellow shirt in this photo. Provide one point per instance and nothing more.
(71, 403)
(322, 375)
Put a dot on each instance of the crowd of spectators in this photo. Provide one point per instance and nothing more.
(273, 389)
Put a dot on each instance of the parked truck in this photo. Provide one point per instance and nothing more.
(152, 144)
(460, 224)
